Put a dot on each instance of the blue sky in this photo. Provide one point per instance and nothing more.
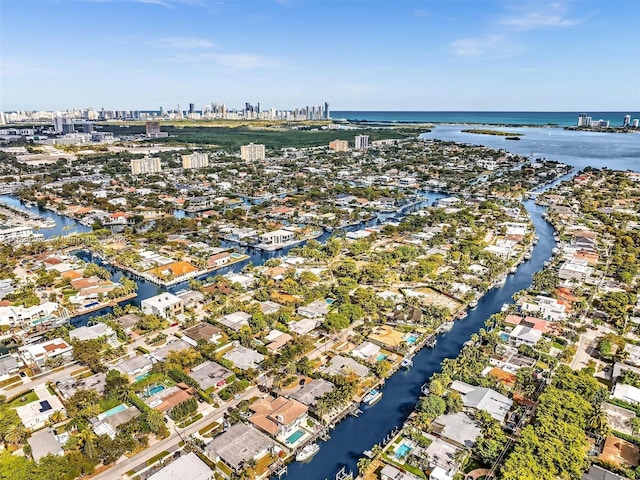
(574, 55)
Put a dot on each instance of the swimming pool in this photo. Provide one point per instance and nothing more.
(329, 301)
(504, 336)
(142, 377)
(380, 357)
(112, 411)
(156, 389)
(295, 436)
(402, 450)
(411, 339)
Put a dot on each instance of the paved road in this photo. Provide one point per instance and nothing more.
(41, 380)
(123, 466)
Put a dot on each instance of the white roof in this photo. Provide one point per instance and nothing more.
(187, 467)
(365, 350)
(627, 393)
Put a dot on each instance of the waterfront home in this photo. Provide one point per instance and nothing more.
(98, 330)
(235, 321)
(43, 443)
(135, 366)
(238, 445)
(524, 335)
(128, 322)
(210, 375)
(387, 337)
(166, 305)
(340, 365)
(38, 353)
(482, 398)
(244, 358)
(186, 467)
(366, 351)
(576, 270)
(191, 298)
(202, 332)
(548, 308)
(107, 423)
(511, 361)
(279, 417)
(410, 315)
(218, 260)
(317, 308)
(68, 386)
(28, 317)
(310, 393)
(456, 428)
(276, 238)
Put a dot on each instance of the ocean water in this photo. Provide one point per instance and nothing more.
(562, 119)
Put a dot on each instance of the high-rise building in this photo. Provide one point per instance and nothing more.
(627, 121)
(635, 123)
(143, 166)
(252, 152)
(582, 120)
(327, 115)
(153, 129)
(195, 160)
(192, 108)
(87, 127)
(362, 142)
(339, 145)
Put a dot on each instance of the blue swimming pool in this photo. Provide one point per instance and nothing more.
(380, 357)
(143, 376)
(294, 437)
(329, 301)
(504, 336)
(402, 450)
(411, 339)
(156, 389)
(117, 409)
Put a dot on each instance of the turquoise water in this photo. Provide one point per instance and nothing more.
(142, 377)
(504, 336)
(380, 357)
(294, 437)
(120, 408)
(411, 339)
(329, 301)
(496, 118)
(156, 389)
(402, 450)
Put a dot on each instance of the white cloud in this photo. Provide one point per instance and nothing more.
(239, 61)
(182, 43)
(495, 46)
(541, 16)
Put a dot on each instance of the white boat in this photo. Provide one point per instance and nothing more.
(527, 256)
(555, 250)
(501, 281)
(513, 270)
(505, 307)
(406, 362)
(307, 452)
(372, 397)
(445, 327)
(473, 304)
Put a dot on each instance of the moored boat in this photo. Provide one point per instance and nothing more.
(307, 452)
(372, 397)
(505, 307)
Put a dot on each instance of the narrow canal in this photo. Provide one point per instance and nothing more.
(354, 435)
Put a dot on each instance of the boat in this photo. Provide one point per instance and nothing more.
(527, 256)
(307, 452)
(555, 250)
(513, 270)
(372, 397)
(505, 307)
(406, 362)
(462, 315)
(445, 327)
(501, 281)
(473, 304)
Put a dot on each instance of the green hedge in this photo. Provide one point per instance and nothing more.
(142, 350)
(183, 409)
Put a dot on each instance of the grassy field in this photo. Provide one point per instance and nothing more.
(272, 138)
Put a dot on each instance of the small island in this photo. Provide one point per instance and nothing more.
(480, 131)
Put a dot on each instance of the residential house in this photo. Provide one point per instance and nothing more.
(107, 424)
(235, 321)
(8, 366)
(312, 391)
(134, 366)
(244, 358)
(240, 444)
(161, 354)
(165, 305)
(576, 270)
(277, 237)
(70, 385)
(35, 414)
(387, 337)
(43, 443)
(218, 260)
(304, 326)
(277, 340)
(340, 365)
(524, 335)
(389, 472)
(626, 393)
(457, 428)
(210, 375)
(315, 309)
(186, 467)
(278, 417)
(482, 398)
(548, 308)
(98, 330)
(269, 307)
(202, 332)
(366, 351)
(38, 353)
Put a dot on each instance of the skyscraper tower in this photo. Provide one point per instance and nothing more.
(627, 121)
(192, 108)
(326, 111)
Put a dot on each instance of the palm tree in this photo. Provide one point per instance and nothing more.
(57, 416)
(598, 422)
(86, 441)
(363, 465)
(154, 420)
(17, 434)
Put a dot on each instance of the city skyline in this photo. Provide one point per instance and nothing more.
(412, 55)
